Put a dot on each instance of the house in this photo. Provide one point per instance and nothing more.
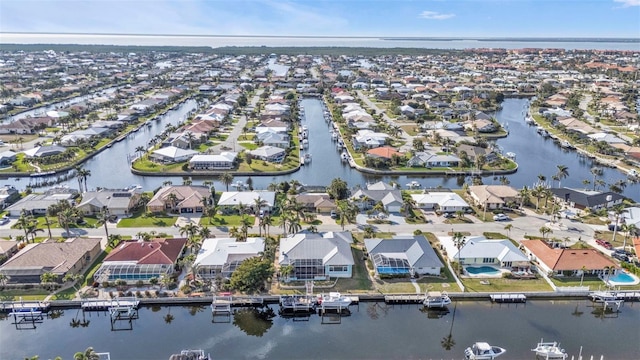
(230, 200)
(58, 258)
(445, 201)
(582, 199)
(482, 251)
(172, 154)
(115, 202)
(473, 152)
(8, 194)
(568, 262)
(269, 138)
(403, 254)
(7, 249)
(314, 256)
(320, 203)
(366, 199)
(44, 151)
(134, 261)
(385, 152)
(37, 204)
(7, 157)
(223, 161)
(269, 153)
(368, 139)
(219, 257)
(429, 160)
(493, 197)
(180, 199)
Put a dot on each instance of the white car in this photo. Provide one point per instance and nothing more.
(501, 217)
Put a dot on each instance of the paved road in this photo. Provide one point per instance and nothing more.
(231, 142)
(408, 138)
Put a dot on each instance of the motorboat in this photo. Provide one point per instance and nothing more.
(333, 299)
(483, 351)
(413, 185)
(344, 156)
(305, 143)
(239, 185)
(511, 155)
(296, 302)
(301, 160)
(549, 350)
(307, 158)
(191, 355)
(633, 173)
(566, 145)
(436, 299)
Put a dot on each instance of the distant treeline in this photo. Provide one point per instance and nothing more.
(546, 40)
(228, 50)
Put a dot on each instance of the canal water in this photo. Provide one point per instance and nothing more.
(535, 155)
(372, 331)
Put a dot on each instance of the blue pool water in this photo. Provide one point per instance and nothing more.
(484, 270)
(392, 270)
(623, 278)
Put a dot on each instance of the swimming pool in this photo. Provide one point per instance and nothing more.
(482, 270)
(623, 278)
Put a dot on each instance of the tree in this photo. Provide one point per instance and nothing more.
(563, 173)
(508, 227)
(114, 240)
(545, 231)
(48, 279)
(630, 229)
(103, 219)
(597, 172)
(458, 241)
(83, 174)
(190, 230)
(74, 278)
(347, 212)
(4, 279)
(25, 222)
(250, 276)
(47, 222)
(338, 189)
(88, 354)
(226, 179)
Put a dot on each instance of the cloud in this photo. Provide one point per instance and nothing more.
(628, 3)
(434, 15)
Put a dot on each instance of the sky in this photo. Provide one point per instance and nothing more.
(397, 18)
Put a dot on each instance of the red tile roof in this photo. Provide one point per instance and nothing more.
(568, 259)
(384, 152)
(156, 251)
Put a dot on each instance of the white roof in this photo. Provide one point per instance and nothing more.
(480, 247)
(232, 198)
(174, 152)
(334, 248)
(219, 251)
(224, 156)
(441, 198)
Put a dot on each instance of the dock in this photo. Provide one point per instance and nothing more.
(104, 305)
(404, 299)
(24, 306)
(508, 298)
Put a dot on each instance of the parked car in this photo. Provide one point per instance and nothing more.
(612, 227)
(448, 215)
(4, 221)
(500, 217)
(619, 256)
(334, 214)
(607, 245)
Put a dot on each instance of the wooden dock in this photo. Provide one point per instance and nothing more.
(404, 299)
(508, 298)
(628, 295)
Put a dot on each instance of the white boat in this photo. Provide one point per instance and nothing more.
(239, 185)
(334, 135)
(483, 351)
(334, 299)
(301, 160)
(566, 145)
(344, 156)
(191, 355)
(307, 158)
(549, 350)
(305, 142)
(413, 185)
(632, 173)
(436, 299)
(305, 128)
(528, 120)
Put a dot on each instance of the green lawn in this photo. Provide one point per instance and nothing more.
(249, 145)
(505, 285)
(225, 220)
(142, 220)
(30, 294)
(360, 281)
(594, 283)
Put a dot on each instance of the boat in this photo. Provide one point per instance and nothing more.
(511, 155)
(301, 160)
(239, 185)
(333, 299)
(632, 173)
(436, 299)
(413, 185)
(307, 158)
(566, 145)
(483, 351)
(297, 302)
(344, 156)
(549, 350)
(191, 355)
(305, 142)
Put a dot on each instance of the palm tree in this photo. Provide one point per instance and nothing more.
(88, 354)
(597, 172)
(83, 174)
(140, 150)
(347, 212)
(245, 224)
(458, 241)
(294, 225)
(266, 221)
(541, 180)
(544, 231)
(190, 137)
(447, 342)
(66, 217)
(226, 179)
(173, 200)
(629, 229)
(524, 195)
(563, 173)
(189, 230)
(205, 233)
(47, 279)
(24, 222)
(618, 210)
(508, 227)
(103, 219)
(114, 240)
(47, 222)
(258, 204)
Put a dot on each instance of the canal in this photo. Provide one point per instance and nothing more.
(535, 155)
(373, 331)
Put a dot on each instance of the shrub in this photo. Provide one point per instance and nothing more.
(147, 293)
(186, 289)
(172, 286)
(106, 284)
(139, 283)
(417, 232)
(138, 293)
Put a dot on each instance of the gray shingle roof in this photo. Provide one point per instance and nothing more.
(416, 248)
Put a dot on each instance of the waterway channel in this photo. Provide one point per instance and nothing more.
(535, 155)
(373, 331)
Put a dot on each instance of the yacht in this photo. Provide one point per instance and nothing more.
(566, 145)
(436, 299)
(549, 350)
(413, 185)
(483, 351)
(334, 299)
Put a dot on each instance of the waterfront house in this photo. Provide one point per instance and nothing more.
(172, 154)
(568, 262)
(320, 203)
(403, 254)
(44, 151)
(493, 197)
(582, 199)
(482, 251)
(8, 195)
(366, 199)
(269, 153)
(368, 139)
(385, 152)
(7, 157)
(179, 199)
(115, 202)
(314, 256)
(219, 257)
(7, 249)
(37, 204)
(269, 138)
(223, 161)
(474, 151)
(445, 201)
(430, 160)
(132, 261)
(230, 200)
(59, 258)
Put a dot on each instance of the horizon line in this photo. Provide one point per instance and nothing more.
(382, 37)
